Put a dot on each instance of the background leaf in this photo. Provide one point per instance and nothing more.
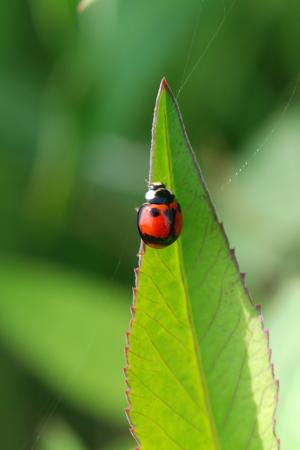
(122, 444)
(83, 4)
(59, 436)
(198, 360)
(258, 196)
(59, 325)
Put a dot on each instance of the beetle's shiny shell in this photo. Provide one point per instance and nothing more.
(159, 224)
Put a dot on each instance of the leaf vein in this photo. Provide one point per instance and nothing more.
(169, 368)
(232, 333)
(183, 345)
(220, 299)
(163, 298)
(184, 419)
(158, 426)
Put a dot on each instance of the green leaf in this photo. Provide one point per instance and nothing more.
(283, 316)
(199, 373)
(68, 330)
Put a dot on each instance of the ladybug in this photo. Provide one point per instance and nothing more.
(159, 220)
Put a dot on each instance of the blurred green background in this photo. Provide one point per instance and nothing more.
(77, 93)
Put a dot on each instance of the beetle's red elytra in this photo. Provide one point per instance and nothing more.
(159, 220)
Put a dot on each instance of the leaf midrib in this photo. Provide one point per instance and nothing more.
(178, 246)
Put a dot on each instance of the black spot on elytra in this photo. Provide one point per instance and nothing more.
(154, 212)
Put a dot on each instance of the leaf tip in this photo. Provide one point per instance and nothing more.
(164, 84)
(164, 87)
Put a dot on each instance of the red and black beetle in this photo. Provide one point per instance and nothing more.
(159, 220)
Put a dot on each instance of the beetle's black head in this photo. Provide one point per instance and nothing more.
(158, 193)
